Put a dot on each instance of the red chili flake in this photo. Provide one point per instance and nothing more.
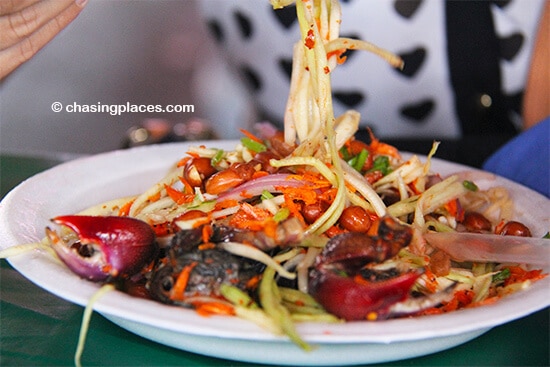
(326, 69)
(310, 39)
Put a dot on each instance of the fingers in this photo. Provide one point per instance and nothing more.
(12, 6)
(31, 28)
(17, 25)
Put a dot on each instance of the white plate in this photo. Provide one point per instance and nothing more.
(78, 184)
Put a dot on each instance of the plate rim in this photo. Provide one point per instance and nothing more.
(108, 304)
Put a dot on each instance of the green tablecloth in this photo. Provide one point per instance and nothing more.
(38, 329)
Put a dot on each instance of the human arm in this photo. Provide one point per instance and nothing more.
(536, 104)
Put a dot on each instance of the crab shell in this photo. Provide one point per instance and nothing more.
(122, 246)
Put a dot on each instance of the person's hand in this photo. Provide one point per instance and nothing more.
(28, 25)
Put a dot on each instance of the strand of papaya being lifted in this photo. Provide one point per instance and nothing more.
(308, 224)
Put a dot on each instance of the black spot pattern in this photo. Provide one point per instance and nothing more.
(419, 111)
(413, 61)
(286, 16)
(286, 67)
(406, 8)
(349, 98)
(216, 30)
(502, 3)
(244, 25)
(252, 78)
(413, 108)
(510, 46)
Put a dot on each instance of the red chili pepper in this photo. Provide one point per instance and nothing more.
(310, 39)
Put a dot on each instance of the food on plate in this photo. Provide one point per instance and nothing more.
(305, 224)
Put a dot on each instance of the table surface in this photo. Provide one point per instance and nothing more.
(40, 329)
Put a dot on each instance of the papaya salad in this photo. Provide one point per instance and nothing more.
(303, 224)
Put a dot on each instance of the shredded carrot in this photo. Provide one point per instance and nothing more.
(178, 290)
(186, 185)
(148, 268)
(224, 204)
(182, 162)
(431, 280)
(253, 282)
(350, 187)
(206, 233)
(499, 226)
(455, 209)
(295, 210)
(382, 148)
(249, 135)
(461, 299)
(207, 246)
(430, 311)
(259, 174)
(486, 301)
(315, 181)
(255, 219)
(201, 221)
(162, 229)
(255, 212)
(270, 228)
(125, 209)
(178, 196)
(246, 195)
(215, 308)
(193, 154)
(154, 197)
(414, 188)
(518, 275)
(304, 194)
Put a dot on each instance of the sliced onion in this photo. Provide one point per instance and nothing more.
(256, 186)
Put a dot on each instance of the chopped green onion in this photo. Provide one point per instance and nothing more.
(382, 164)
(345, 153)
(547, 235)
(352, 161)
(501, 275)
(281, 215)
(216, 159)
(360, 160)
(266, 195)
(469, 185)
(253, 145)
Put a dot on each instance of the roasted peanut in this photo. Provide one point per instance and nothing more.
(244, 170)
(222, 181)
(312, 212)
(476, 222)
(197, 170)
(263, 159)
(514, 228)
(355, 219)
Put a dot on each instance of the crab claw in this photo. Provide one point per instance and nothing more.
(100, 248)
(352, 296)
(350, 299)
